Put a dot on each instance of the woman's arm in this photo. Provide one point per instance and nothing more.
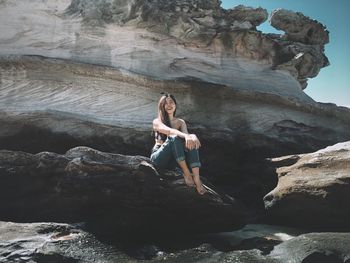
(162, 128)
(191, 140)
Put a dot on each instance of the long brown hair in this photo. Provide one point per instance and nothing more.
(162, 114)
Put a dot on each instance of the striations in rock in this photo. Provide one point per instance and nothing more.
(54, 105)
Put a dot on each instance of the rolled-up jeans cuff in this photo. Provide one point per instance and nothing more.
(196, 164)
(181, 158)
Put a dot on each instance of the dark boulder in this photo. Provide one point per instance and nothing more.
(112, 193)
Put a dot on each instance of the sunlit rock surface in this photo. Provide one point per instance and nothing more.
(313, 189)
(164, 40)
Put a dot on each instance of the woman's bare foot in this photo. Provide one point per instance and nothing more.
(189, 180)
(199, 186)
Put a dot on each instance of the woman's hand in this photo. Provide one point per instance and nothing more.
(196, 141)
(192, 142)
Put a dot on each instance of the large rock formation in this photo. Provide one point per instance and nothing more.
(166, 40)
(313, 189)
(114, 194)
(90, 72)
(54, 105)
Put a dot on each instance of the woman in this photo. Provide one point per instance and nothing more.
(174, 145)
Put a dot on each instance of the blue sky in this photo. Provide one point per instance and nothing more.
(332, 84)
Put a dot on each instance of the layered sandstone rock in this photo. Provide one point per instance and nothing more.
(54, 105)
(313, 189)
(114, 194)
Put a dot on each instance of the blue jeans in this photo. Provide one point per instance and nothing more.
(173, 151)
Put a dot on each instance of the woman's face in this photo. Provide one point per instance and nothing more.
(169, 105)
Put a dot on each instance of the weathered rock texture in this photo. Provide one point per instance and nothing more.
(303, 45)
(314, 247)
(53, 242)
(114, 194)
(299, 28)
(307, 248)
(181, 19)
(164, 39)
(313, 189)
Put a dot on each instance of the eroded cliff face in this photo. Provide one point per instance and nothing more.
(300, 51)
(181, 19)
(171, 40)
(90, 73)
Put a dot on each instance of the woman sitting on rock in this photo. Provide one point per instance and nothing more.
(174, 146)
